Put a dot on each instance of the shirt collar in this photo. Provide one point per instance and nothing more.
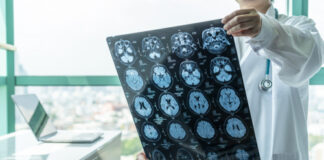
(271, 12)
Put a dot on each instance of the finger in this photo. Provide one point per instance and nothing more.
(249, 32)
(241, 27)
(238, 19)
(236, 13)
(141, 156)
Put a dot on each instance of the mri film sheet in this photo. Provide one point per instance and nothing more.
(186, 93)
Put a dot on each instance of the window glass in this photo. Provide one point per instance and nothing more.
(316, 122)
(315, 12)
(87, 108)
(316, 107)
(68, 37)
(281, 5)
(2, 39)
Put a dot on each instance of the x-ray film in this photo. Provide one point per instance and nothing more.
(185, 91)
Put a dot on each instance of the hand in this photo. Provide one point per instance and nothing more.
(141, 156)
(244, 22)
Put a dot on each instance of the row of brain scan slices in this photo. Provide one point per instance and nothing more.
(221, 70)
(182, 44)
(234, 127)
(197, 102)
(182, 154)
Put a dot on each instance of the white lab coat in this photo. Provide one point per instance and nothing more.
(295, 49)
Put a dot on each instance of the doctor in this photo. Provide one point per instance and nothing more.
(283, 53)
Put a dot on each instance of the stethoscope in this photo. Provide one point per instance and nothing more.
(266, 83)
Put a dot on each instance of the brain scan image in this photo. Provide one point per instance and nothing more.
(183, 45)
(169, 105)
(142, 106)
(125, 52)
(185, 92)
(228, 99)
(182, 154)
(150, 132)
(221, 69)
(153, 48)
(176, 131)
(190, 73)
(205, 130)
(241, 154)
(212, 156)
(158, 155)
(235, 128)
(198, 102)
(161, 76)
(215, 40)
(134, 80)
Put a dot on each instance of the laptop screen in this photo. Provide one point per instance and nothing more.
(38, 120)
(34, 114)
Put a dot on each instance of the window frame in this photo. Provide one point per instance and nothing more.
(10, 81)
(7, 82)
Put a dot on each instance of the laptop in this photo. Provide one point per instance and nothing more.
(39, 122)
(185, 91)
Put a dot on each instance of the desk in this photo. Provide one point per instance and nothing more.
(22, 145)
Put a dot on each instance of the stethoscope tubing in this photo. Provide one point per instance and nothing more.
(266, 83)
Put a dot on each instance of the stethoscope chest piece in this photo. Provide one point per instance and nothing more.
(265, 85)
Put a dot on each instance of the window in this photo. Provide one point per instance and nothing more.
(281, 6)
(316, 105)
(315, 122)
(83, 108)
(87, 108)
(315, 12)
(2, 40)
(68, 37)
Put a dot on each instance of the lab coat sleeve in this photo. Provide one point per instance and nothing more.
(294, 46)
